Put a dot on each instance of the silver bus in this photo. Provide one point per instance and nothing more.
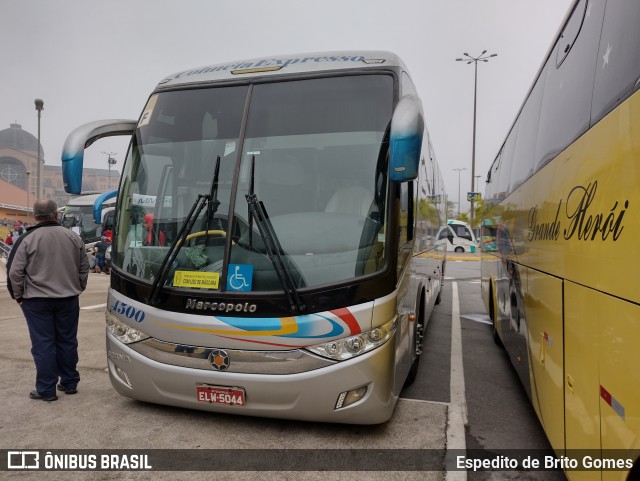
(78, 215)
(270, 254)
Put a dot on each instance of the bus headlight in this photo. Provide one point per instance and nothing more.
(342, 349)
(122, 332)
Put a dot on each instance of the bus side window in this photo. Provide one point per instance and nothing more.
(523, 156)
(618, 61)
(570, 33)
(406, 212)
(444, 233)
(463, 232)
(506, 163)
(568, 79)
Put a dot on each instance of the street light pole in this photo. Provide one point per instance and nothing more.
(111, 161)
(39, 107)
(28, 189)
(469, 59)
(459, 170)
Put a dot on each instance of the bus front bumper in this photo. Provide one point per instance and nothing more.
(309, 396)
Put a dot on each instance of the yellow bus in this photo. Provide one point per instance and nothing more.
(560, 241)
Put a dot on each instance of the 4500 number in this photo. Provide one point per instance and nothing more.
(128, 311)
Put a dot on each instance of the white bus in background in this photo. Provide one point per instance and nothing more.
(265, 256)
(79, 215)
(457, 236)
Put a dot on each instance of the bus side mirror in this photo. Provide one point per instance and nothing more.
(80, 139)
(97, 205)
(407, 129)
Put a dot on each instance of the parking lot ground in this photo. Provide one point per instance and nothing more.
(98, 418)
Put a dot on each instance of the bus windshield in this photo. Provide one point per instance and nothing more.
(80, 220)
(313, 153)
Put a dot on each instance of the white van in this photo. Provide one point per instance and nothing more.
(458, 236)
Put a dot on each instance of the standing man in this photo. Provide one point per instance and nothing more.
(47, 271)
(101, 252)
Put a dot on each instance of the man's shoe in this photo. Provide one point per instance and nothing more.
(66, 390)
(35, 395)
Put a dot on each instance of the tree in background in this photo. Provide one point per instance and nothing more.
(451, 210)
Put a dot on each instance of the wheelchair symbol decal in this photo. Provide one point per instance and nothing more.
(240, 277)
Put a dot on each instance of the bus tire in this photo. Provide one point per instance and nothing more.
(439, 296)
(418, 342)
(492, 315)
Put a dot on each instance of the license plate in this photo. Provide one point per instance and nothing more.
(230, 396)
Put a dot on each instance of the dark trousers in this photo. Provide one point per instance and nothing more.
(53, 328)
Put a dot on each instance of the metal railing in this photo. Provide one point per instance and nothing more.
(4, 250)
(15, 207)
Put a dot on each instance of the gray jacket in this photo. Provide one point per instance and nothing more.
(48, 261)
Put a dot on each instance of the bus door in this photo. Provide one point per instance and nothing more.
(602, 398)
(543, 311)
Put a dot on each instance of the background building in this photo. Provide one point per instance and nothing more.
(18, 180)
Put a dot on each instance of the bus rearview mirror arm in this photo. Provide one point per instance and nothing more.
(81, 138)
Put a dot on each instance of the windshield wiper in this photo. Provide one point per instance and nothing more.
(212, 203)
(273, 248)
(177, 244)
(272, 245)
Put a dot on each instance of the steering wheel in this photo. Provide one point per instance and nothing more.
(213, 232)
(203, 233)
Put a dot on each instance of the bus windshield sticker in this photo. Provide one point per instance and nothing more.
(197, 279)
(229, 147)
(240, 277)
(145, 118)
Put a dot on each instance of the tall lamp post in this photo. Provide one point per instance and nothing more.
(111, 161)
(459, 170)
(28, 189)
(39, 107)
(474, 60)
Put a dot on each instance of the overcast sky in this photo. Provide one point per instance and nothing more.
(91, 60)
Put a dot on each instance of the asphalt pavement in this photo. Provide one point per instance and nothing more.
(99, 418)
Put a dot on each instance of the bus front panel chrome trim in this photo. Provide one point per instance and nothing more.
(240, 361)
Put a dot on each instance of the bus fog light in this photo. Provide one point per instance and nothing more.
(123, 375)
(349, 397)
(342, 349)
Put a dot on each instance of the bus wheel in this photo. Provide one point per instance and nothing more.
(439, 296)
(418, 339)
(492, 315)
